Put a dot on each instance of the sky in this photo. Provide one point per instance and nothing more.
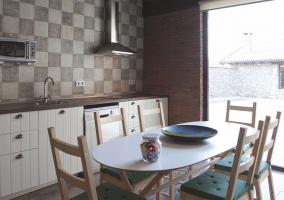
(226, 26)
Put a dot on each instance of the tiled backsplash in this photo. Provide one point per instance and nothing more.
(67, 32)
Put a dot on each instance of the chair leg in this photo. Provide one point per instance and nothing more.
(159, 194)
(271, 185)
(101, 178)
(258, 190)
(172, 187)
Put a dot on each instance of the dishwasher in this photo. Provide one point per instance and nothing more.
(110, 130)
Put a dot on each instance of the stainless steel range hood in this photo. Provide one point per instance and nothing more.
(111, 46)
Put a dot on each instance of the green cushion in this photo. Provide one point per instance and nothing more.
(245, 149)
(110, 192)
(226, 165)
(213, 185)
(133, 177)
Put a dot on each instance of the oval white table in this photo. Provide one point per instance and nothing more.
(124, 153)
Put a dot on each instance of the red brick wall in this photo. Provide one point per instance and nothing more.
(172, 62)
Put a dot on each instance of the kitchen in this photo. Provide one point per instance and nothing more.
(167, 38)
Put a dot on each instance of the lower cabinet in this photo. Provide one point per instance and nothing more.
(25, 155)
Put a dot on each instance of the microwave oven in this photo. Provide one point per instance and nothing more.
(17, 50)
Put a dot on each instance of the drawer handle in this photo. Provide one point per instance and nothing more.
(19, 136)
(19, 156)
(133, 130)
(62, 112)
(133, 103)
(19, 116)
(157, 100)
(133, 117)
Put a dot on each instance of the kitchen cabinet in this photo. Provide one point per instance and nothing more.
(25, 154)
(19, 152)
(131, 113)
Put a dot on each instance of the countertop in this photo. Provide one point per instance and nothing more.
(32, 105)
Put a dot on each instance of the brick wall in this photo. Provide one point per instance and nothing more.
(172, 62)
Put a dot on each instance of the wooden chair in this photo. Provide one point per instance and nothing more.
(250, 110)
(214, 185)
(138, 180)
(263, 166)
(88, 184)
(142, 113)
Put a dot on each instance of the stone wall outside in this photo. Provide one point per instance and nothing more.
(254, 81)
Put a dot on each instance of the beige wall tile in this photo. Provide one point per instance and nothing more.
(0, 74)
(10, 91)
(124, 63)
(125, 18)
(78, 74)
(89, 88)
(10, 24)
(67, 32)
(124, 86)
(108, 62)
(67, 5)
(27, 11)
(88, 61)
(66, 60)
(55, 16)
(124, 40)
(132, 74)
(89, 35)
(140, 43)
(116, 74)
(78, 47)
(42, 3)
(38, 89)
(41, 29)
(54, 45)
(98, 74)
(55, 73)
(107, 87)
(89, 10)
(41, 59)
(66, 88)
(140, 3)
(26, 74)
(78, 20)
(99, 24)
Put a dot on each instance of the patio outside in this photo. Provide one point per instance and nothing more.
(217, 112)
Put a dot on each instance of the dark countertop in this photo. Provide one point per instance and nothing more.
(33, 105)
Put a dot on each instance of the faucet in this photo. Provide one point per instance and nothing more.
(43, 97)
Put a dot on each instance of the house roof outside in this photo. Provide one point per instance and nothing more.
(260, 52)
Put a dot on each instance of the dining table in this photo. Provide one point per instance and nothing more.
(124, 154)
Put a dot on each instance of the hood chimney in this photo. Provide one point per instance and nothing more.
(247, 43)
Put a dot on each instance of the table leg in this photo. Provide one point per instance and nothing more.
(125, 180)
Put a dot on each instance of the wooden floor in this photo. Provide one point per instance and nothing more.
(52, 192)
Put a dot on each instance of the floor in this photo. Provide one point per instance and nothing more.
(52, 192)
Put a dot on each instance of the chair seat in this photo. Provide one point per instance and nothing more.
(133, 177)
(213, 185)
(245, 149)
(108, 191)
(226, 165)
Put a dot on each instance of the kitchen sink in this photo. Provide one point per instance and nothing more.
(50, 102)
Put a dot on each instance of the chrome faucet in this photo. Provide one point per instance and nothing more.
(43, 97)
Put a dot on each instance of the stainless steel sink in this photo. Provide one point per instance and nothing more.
(50, 102)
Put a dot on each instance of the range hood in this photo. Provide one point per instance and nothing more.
(111, 46)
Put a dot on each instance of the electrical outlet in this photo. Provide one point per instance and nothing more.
(131, 82)
(79, 83)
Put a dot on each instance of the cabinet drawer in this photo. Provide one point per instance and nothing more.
(19, 171)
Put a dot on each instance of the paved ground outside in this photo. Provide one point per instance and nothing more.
(217, 112)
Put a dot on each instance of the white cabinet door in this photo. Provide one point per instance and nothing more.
(5, 123)
(20, 122)
(5, 169)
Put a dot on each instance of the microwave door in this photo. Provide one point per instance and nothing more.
(12, 50)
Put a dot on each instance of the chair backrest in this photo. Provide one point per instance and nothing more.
(267, 143)
(249, 109)
(109, 119)
(63, 176)
(142, 113)
(239, 166)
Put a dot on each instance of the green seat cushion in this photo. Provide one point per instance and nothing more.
(108, 191)
(226, 165)
(133, 177)
(245, 149)
(213, 185)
